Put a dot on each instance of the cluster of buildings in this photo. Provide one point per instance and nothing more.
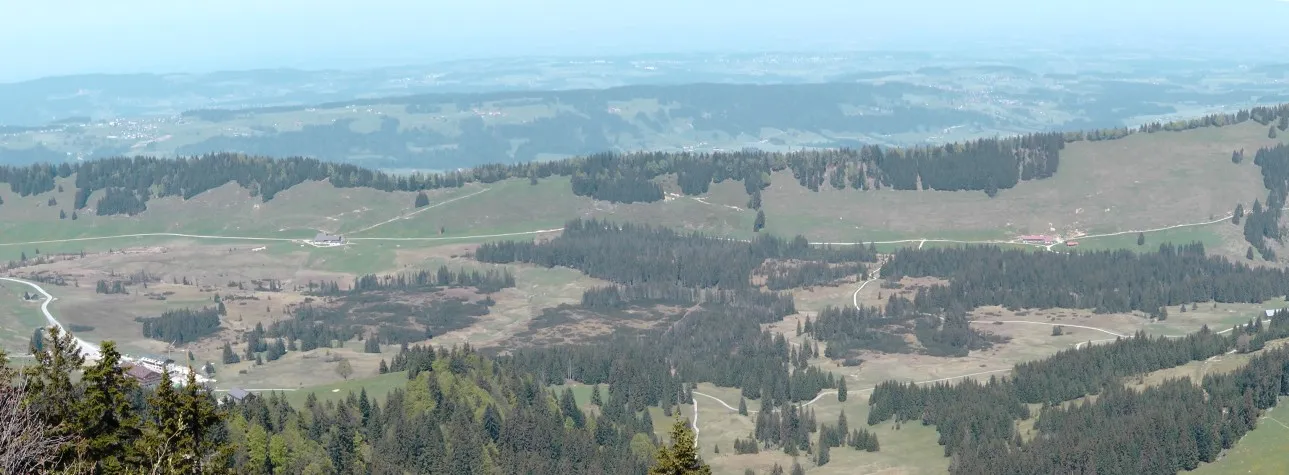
(1045, 240)
(147, 371)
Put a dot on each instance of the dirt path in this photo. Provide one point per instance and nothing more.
(417, 211)
(92, 351)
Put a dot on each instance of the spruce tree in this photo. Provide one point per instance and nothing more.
(681, 457)
(1141, 239)
(106, 421)
(759, 224)
(229, 356)
(841, 389)
(162, 427)
(742, 406)
(422, 200)
(1249, 254)
(595, 396)
(49, 380)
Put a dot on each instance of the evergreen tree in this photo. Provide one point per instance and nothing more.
(62, 214)
(49, 381)
(595, 395)
(681, 458)
(1249, 253)
(230, 357)
(162, 427)
(1271, 132)
(422, 200)
(742, 406)
(759, 224)
(841, 389)
(107, 423)
(754, 202)
(74, 216)
(1141, 239)
(1239, 213)
(797, 470)
(822, 458)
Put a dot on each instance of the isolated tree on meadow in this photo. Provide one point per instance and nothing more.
(1249, 254)
(742, 406)
(759, 224)
(422, 200)
(1141, 239)
(841, 389)
(345, 369)
(1271, 133)
(1239, 213)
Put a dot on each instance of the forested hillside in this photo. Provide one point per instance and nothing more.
(1161, 430)
(986, 165)
(459, 413)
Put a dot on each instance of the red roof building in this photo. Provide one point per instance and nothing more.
(144, 375)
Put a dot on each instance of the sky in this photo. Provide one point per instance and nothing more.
(57, 37)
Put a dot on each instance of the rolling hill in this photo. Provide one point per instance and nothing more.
(690, 104)
(581, 276)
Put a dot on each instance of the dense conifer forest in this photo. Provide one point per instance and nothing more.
(461, 414)
(633, 254)
(1107, 281)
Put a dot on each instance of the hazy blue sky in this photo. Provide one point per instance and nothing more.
(50, 37)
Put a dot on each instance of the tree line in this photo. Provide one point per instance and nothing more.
(1263, 221)
(985, 165)
(1107, 281)
(488, 281)
(634, 254)
(184, 325)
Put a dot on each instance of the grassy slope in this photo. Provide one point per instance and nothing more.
(1260, 451)
(1143, 181)
(18, 318)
